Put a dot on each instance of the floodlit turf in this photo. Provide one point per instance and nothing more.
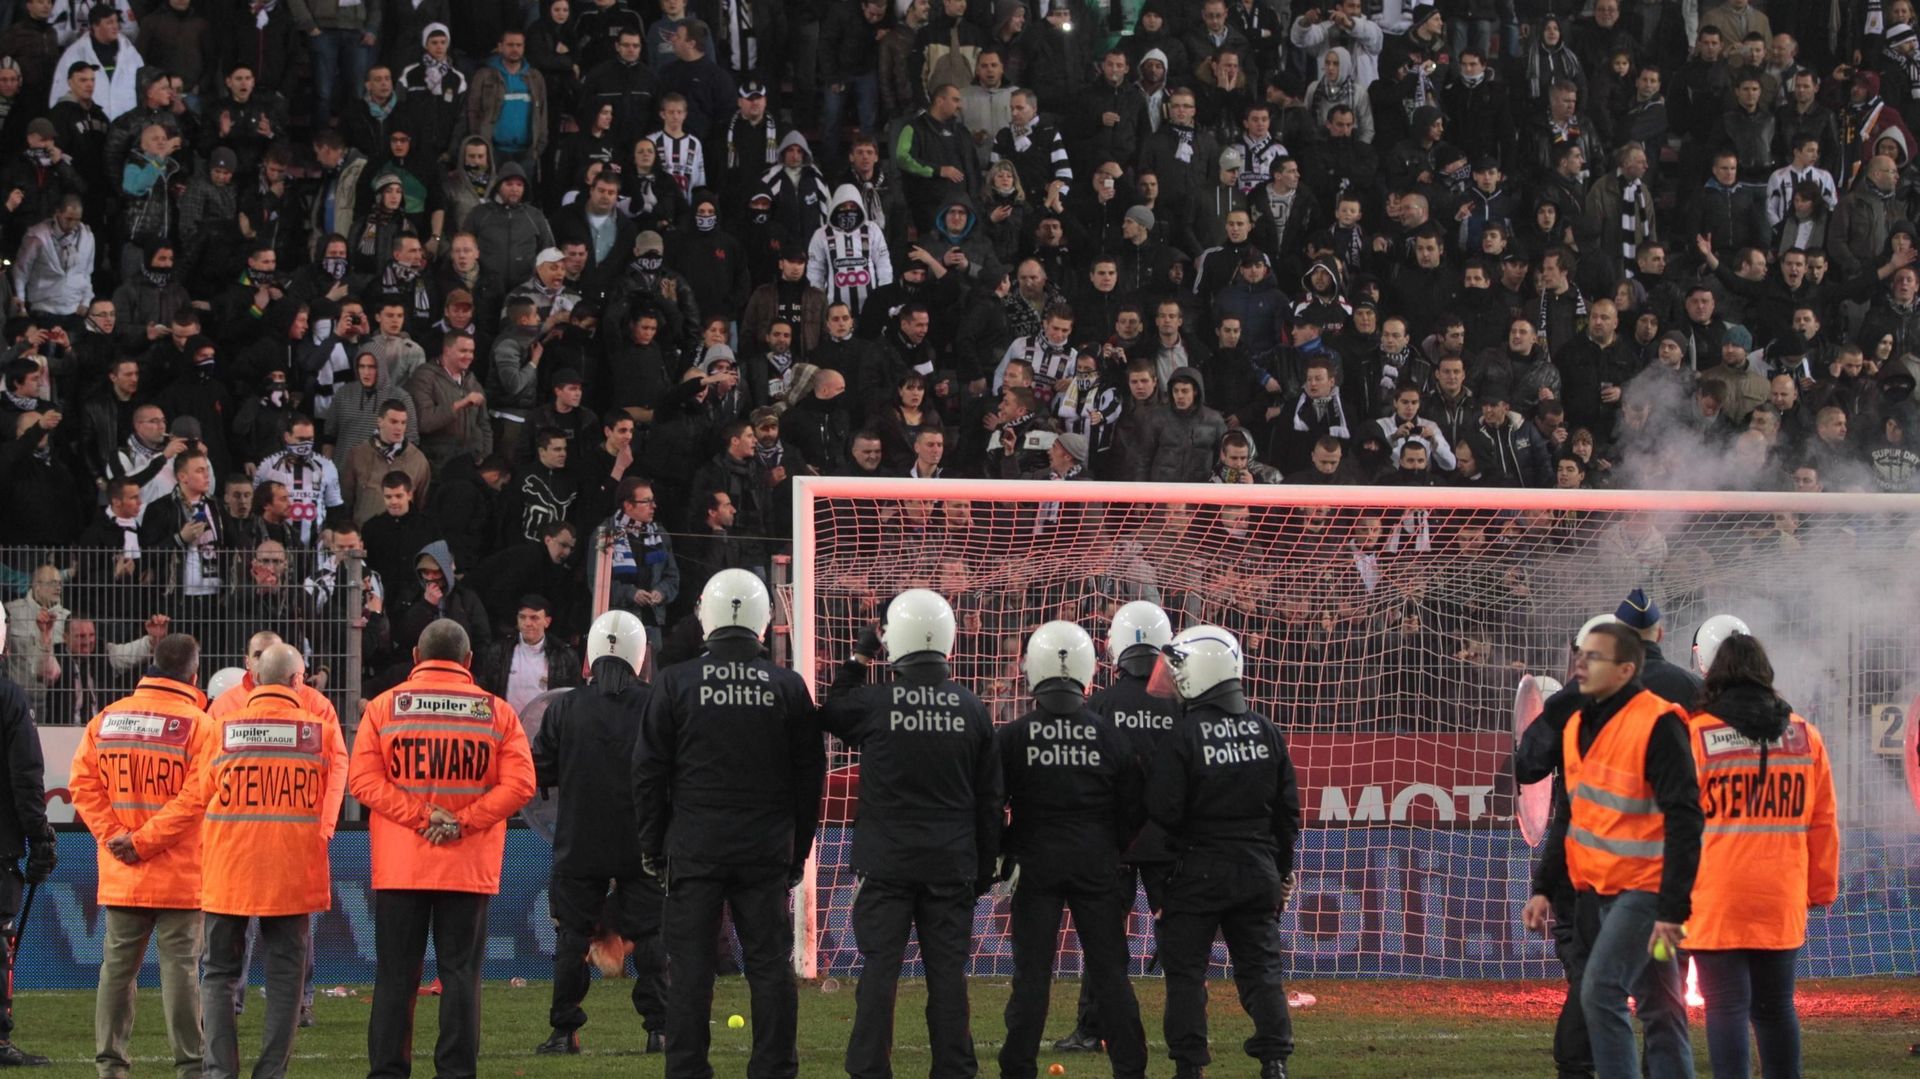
(1376, 1028)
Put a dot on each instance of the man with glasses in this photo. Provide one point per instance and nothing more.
(1632, 844)
(645, 579)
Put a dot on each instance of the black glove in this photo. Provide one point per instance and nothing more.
(869, 645)
(42, 857)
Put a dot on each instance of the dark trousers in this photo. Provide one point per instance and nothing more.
(401, 922)
(11, 886)
(1576, 921)
(630, 907)
(758, 897)
(1750, 988)
(1100, 920)
(884, 912)
(1152, 878)
(287, 943)
(1241, 906)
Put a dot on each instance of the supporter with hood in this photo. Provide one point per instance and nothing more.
(1322, 301)
(712, 259)
(959, 246)
(509, 228)
(1340, 86)
(847, 257)
(1187, 437)
(1238, 461)
(441, 594)
(1255, 299)
(798, 190)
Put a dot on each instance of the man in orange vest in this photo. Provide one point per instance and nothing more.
(271, 796)
(440, 764)
(134, 762)
(315, 702)
(1633, 841)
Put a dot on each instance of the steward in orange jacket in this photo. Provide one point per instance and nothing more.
(311, 699)
(441, 764)
(135, 765)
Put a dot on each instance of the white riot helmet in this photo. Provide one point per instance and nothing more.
(1135, 624)
(1711, 635)
(224, 679)
(1202, 657)
(735, 598)
(1060, 650)
(1590, 624)
(619, 634)
(919, 621)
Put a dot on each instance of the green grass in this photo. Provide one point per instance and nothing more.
(1427, 1029)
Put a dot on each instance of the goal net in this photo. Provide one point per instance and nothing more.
(1386, 630)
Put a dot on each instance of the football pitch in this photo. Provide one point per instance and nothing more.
(1425, 1029)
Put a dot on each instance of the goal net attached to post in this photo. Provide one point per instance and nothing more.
(1386, 630)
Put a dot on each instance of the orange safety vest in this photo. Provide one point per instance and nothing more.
(311, 699)
(1616, 833)
(438, 739)
(1772, 845)
(271, 792)
(135, 762)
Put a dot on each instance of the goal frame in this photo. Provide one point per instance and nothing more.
(808, 491)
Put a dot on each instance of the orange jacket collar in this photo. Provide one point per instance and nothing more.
(283, 698)
(441, 670)
(158, 684)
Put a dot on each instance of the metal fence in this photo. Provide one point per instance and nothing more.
(81, 622)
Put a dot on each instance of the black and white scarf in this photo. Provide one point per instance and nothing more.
(1334, 412)
(1257, 161)
(388, 453)
(1546, 305)
(1183, 143)
(737, 33)
(1908, 63)
(1050, 363)
(682, 159)
(772, 156)
(23, 404)
(129, 534)
(851, 269)
(1629, 225)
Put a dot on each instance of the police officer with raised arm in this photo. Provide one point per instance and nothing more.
(1073, 795)
(1135, 636)
(1224, 790)
(727, 778)
(927, 837)
(585, 751)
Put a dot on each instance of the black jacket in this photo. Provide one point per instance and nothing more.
(931, 800)
(1073, 795)
(584, 754)
(23, 815)
(729, 764)
(1144, 721)
(1224, 790)
(494, 665)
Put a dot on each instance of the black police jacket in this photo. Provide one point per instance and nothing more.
(1144, 721)
(585, 751)
(1224, 787)
(1073, 791)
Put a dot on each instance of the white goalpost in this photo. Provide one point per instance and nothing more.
(1387, 630)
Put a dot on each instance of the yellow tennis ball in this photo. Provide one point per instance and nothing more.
(1661, 952)
(735, 1022)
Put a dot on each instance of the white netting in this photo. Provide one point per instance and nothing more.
(1386, 630)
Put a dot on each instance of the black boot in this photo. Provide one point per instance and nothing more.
(12, 1056)
(1081, 1040)
(1190, 1071)
(656, 1042)
(560, 1042)
(1273, 1069)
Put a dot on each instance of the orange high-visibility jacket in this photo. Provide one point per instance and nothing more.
(1616, 832)
(271, 793)
(438, 739)
(311, 699)
(136, 759)
(1772, 844)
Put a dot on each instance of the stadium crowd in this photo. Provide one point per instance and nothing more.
(456, 292)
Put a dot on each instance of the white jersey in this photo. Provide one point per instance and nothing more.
(683, 159)
(849, 265)
(313, 486)
(1780, 190)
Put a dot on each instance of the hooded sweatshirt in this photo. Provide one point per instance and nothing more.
(847, 257)
(1185, 449)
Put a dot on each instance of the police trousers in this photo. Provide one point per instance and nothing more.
(628, 906)
(287, 943)
(884, 912)
(1239, 902)
(402, 921)
(1100, 920)
(758, 896)
(1152, 879)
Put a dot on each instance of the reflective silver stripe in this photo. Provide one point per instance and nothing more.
(1606, 799)
(272, 818)
(1624, 848)
(1753, 763)
(1756, 829)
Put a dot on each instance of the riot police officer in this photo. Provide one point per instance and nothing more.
(1135, 636)
(1073, 794)
(585, 750)
(927, 837)
(727, 779)
(1224, 790)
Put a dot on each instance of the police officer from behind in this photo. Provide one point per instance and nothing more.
(727, 777)
(1224, 790)
(927, 837)
(1671, 681)
(1073, 794)
(585, 750)
(23, 831)
(1135, 636)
